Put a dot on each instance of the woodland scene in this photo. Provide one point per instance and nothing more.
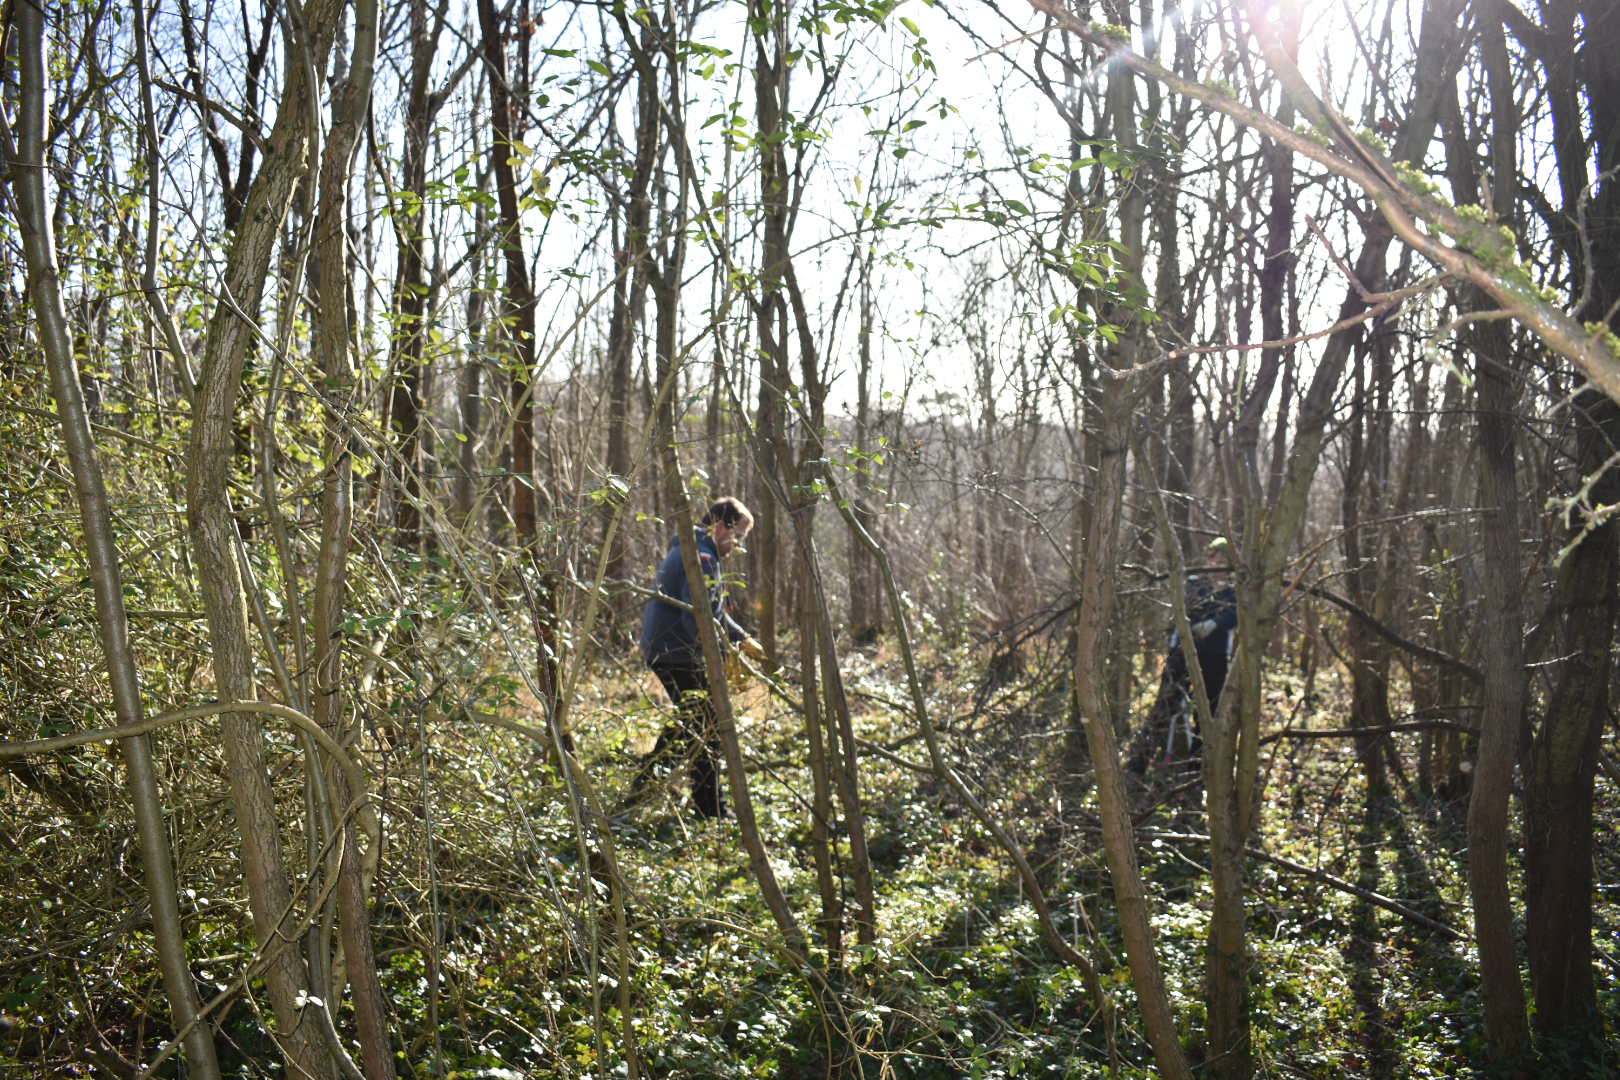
(809, 538)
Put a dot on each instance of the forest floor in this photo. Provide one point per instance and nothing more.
(501, 954)
(958, 982)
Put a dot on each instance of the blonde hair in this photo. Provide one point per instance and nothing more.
(728, 510)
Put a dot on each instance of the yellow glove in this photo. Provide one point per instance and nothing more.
(752, 649)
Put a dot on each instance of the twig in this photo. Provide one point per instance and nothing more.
(1376, 899)
(1384, 729)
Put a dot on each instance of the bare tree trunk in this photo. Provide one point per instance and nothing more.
(771, 72)
(468, 401)
(1367, 654)
(1503, 698)
(842, 756)
(821, 809)
(630, 281)
(1502, 701)
(288, 156)
(1107, 452)
(408, 360)
(26, 164)
(1562, 762)
(865, 613)
(334, 341)
(520, 306)
(1110, 445)
(1562, 759)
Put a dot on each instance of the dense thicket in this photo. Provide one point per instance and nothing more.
(359, 361)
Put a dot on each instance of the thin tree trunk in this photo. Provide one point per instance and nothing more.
(630, 281)
(467, 409)
(842, 754)
(1107, 451)
(1367, 656)
(1562, 758)
(1562, 761)
(26, 163)
(408, 361)
(288, 156)
(334, 342)
(771, 71)
(1502, 632)
(821, 810)
(1101, 555)
(865, 618)
(520, 308)
(1501, 703)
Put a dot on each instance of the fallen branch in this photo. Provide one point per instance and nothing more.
(1331, 880)
(1383, 729)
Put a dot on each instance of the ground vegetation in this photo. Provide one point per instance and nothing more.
(359, 361)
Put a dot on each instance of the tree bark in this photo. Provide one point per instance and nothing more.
(334, 342)
(520, 346)
(769, 28)
(1562, 764)
(1502, 699)
(1562, 757)
(288, 155)
(410, 304)
(1108, 453)
(865, 613)
(1501, 705)
(26, 163)
(630, 280)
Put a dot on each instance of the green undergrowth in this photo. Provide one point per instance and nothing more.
(959, 982)
(501, 950)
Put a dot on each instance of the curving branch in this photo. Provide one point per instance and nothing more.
(361, 805)
(1473, 248)
(1371, 622)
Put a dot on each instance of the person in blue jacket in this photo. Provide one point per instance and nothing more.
(670, 646)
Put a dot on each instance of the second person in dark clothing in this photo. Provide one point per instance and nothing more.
(672, 648)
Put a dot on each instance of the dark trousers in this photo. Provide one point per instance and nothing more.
(1213, 661)
(692, 732)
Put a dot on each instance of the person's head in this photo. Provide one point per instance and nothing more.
(728, 522)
